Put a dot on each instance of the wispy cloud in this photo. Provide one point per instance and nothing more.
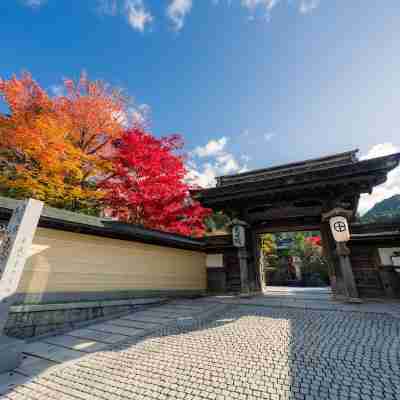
(134, 115)
(266, 6)
(177, 11)
(135, 11)
(107, 7)
(387, 189)
(137, 14)
(308, 6)
(34, 3)
(268, 136)
(57, 90)
(253, 4)
(211, 160)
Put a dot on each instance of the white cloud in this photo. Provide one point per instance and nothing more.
(205, 177)
(212, 148)
(220, 162)
(268, 136)
(387, 189)
(380, 150)
(308, 6)
(138, 16)
(177, 11)
(34, 3)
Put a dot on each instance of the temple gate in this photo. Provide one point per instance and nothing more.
(299, 196)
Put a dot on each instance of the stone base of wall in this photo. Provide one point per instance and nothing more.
(32, 320)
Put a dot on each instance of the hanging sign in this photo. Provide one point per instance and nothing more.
(340, 229)
(238, 236)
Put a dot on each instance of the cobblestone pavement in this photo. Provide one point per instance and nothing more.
(247, 352)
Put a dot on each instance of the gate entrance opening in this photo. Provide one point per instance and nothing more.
(293, 259)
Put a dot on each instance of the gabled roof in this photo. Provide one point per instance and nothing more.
(339, 174)
(334, 160)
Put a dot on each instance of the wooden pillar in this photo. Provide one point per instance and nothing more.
(329, 251)
(240, 241)
(257, 283)
(344, 284)
(343, 253)
(244, 272)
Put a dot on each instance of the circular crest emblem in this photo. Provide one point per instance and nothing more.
(339, 226)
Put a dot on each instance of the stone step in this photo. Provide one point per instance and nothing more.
(74, 343)
(103, 337)
(52, 352)
(120, 330)
(134, 324)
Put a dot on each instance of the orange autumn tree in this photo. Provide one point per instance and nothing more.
(55, 148)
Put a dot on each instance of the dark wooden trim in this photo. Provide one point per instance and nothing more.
(287, 228)
(358, 177)
(80, 223)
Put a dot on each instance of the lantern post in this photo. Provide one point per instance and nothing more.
(341, 233)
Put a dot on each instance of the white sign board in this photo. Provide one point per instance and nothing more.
(14, 250)
(386, 255)
(215, 261)
(340, 229)
(238, 236)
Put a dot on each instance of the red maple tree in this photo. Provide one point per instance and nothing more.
(148, 185)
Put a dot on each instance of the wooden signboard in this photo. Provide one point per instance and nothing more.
(14, 250)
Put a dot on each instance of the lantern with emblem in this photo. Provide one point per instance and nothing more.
(340, 229)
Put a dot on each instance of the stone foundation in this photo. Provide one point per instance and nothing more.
(27, 321)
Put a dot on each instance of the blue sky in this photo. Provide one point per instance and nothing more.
(249, 83)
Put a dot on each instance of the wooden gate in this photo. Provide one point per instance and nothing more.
(365, 270)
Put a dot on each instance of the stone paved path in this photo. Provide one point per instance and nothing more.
(244, 351)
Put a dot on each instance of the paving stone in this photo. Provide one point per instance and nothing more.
(247, 352)
(33, 366)
(9, 380)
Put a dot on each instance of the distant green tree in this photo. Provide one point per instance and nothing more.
(217, 221)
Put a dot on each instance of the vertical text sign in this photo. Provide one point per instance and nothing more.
(14, 248)
(238, 236)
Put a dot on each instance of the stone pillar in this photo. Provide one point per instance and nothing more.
(14, 250)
